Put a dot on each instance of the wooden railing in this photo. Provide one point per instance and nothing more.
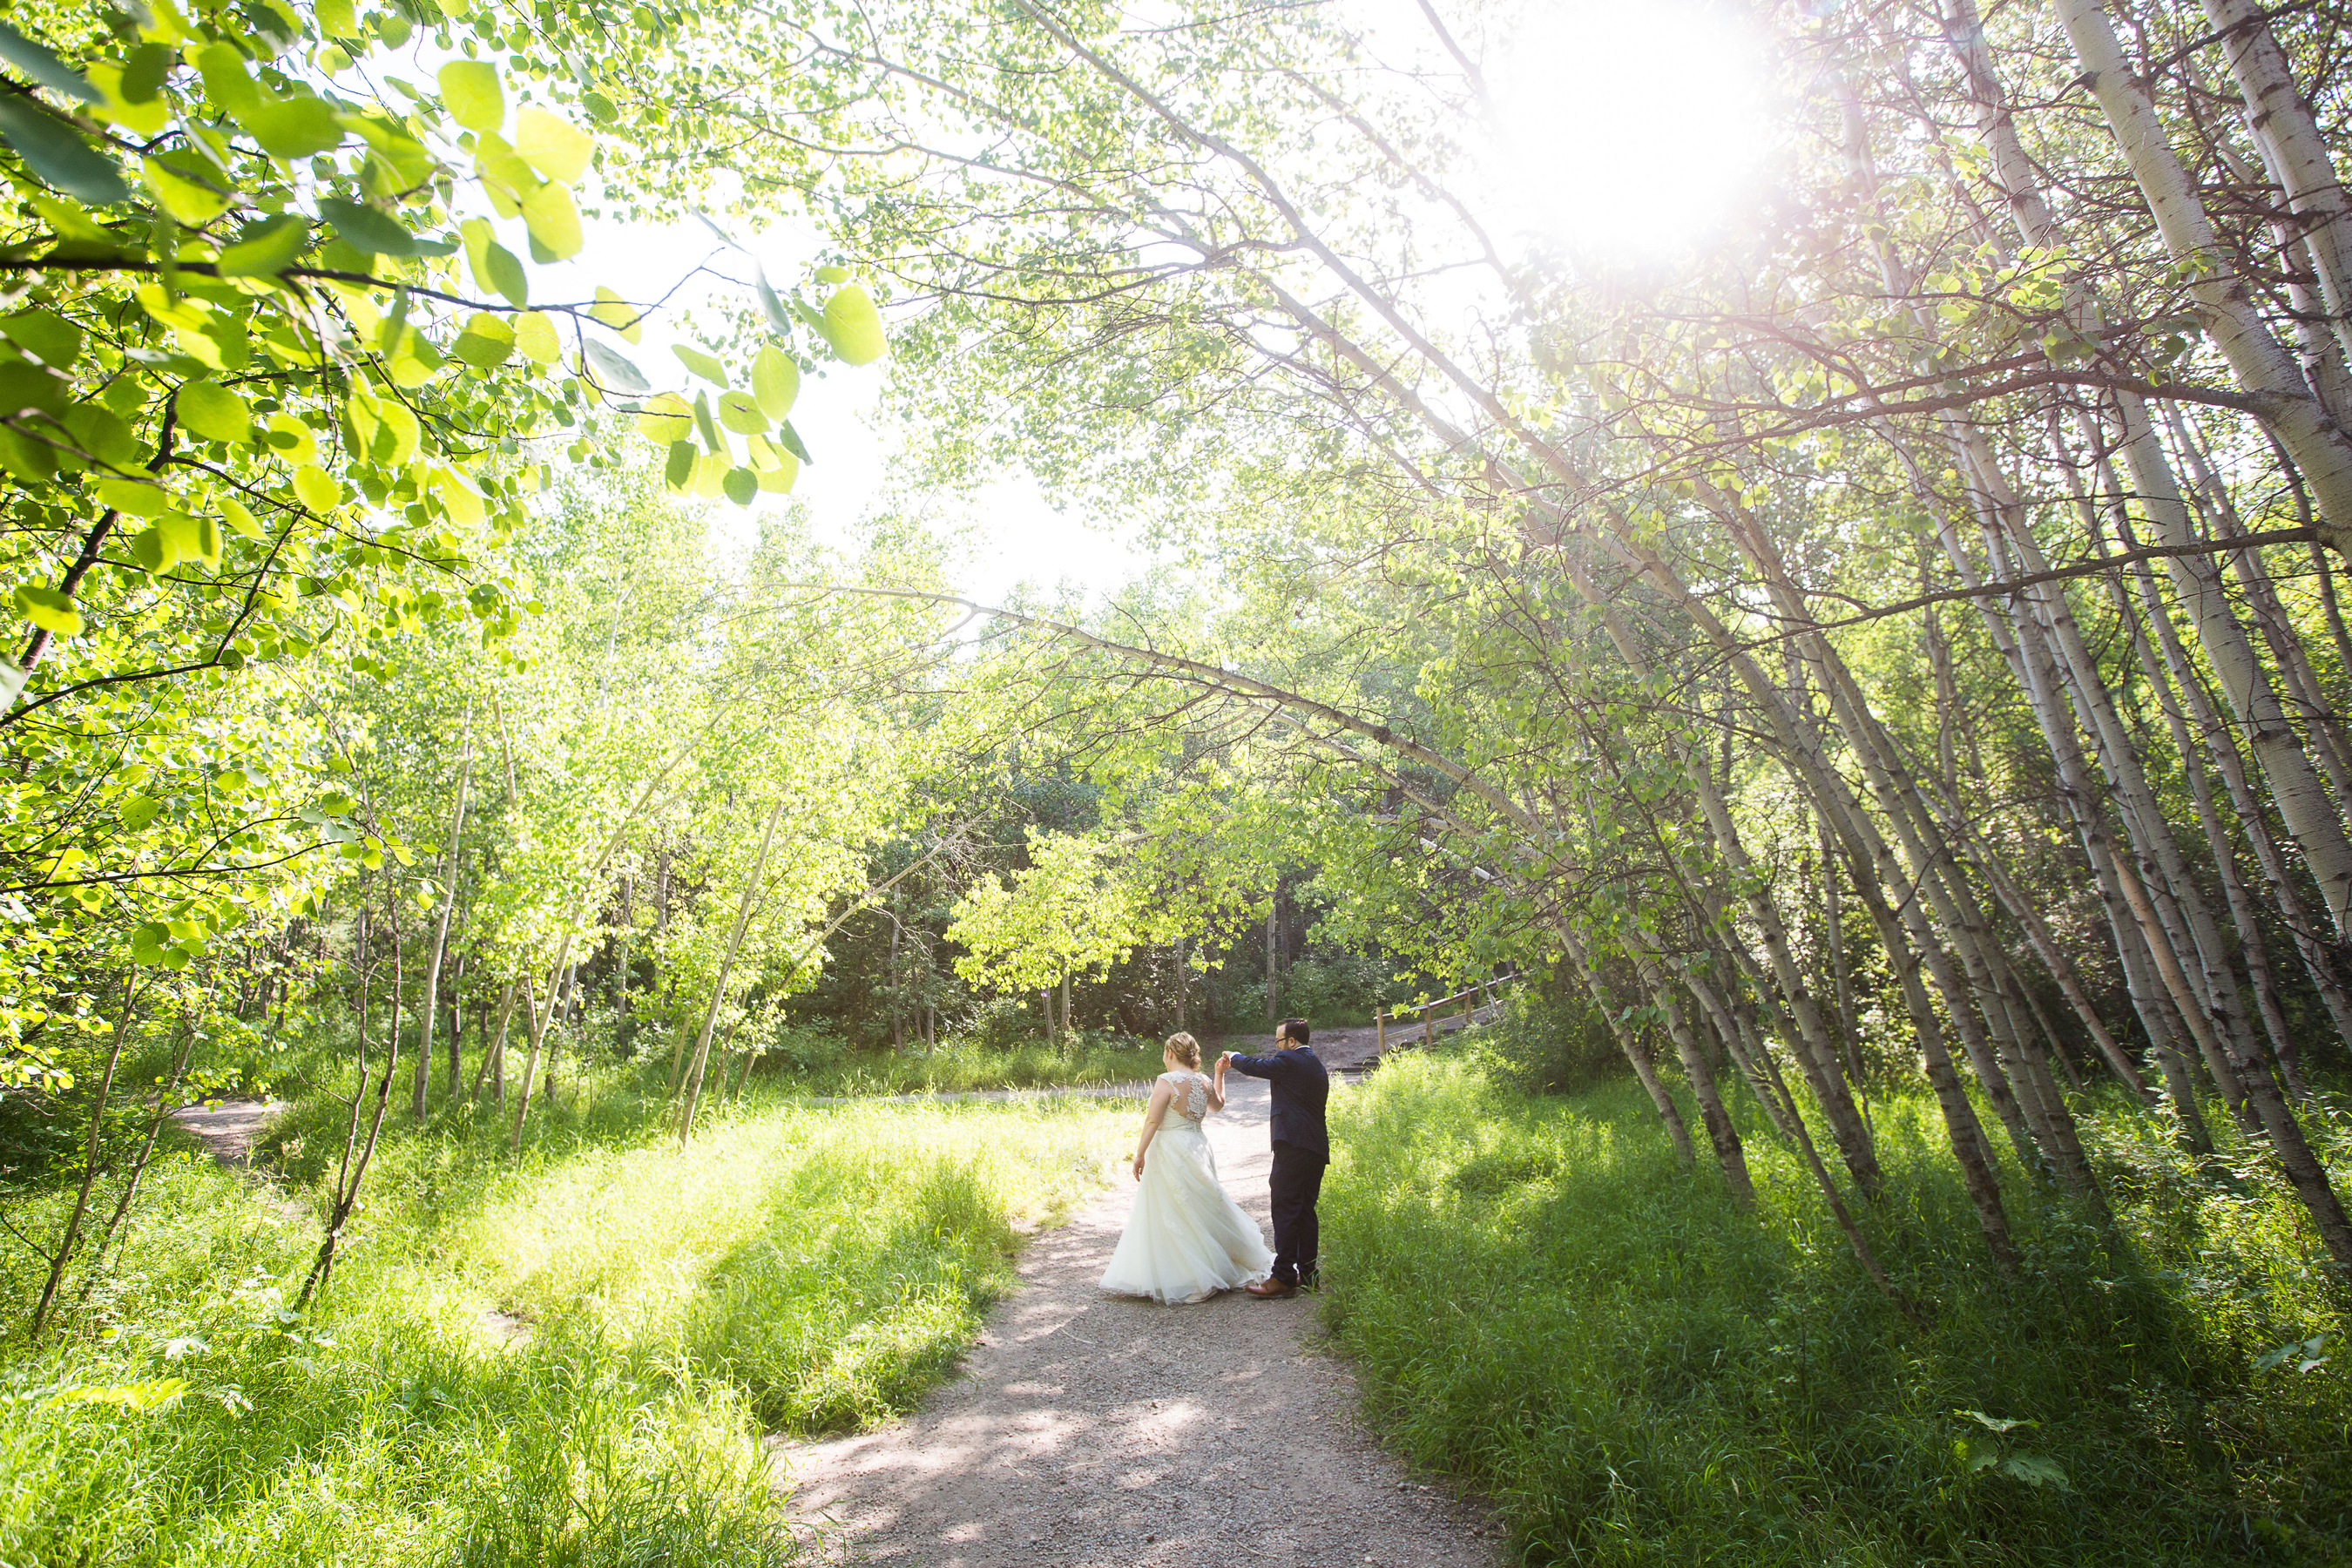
(1427, 1012)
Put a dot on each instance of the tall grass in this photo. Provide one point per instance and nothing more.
(964, 1064)
(1638, 1373)
(571, 1361)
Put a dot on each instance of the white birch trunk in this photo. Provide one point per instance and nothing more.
(2258, 361)
(2298, 155)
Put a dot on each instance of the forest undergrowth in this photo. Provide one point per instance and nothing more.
(1543, 1304)
(568, 1358)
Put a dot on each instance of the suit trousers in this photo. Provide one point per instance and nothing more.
(1297, 1182)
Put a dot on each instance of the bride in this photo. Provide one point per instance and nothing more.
(1185, 1239)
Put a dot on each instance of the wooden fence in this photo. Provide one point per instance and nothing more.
(1485, 994)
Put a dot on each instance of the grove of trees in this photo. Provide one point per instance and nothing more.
(1893, 640)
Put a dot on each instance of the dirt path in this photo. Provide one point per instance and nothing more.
(1091, 1431)
(229, 1130)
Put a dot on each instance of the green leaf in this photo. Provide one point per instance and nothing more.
(553, 146)
(742, 486)
(779, 478)
(852, 326)
(138, 498)
(33, 462)
(775, 381)
(335, 19)
(470, 89)
(700, 364)
(317, 489)
(680, 469)
(618, 314)
(600, 108)
(298, 127)
(739, 413)
(266, 249)
(40, 62)
(612, 368)
(496, 269)
(187, 199)
(2035, 1471)
(291, 440)
(154, 549)
(665, 419)
(227, 82)
(535, 337)
(150, 940)
(101, 434)
(183, 537)
(56, 340)
(367, 229)
(54, 152)
(24, 385)
(554, 221)
(706, 425)
(778, 317)
(213, 412)
(49, 609)
(487, 342)
(791, 442)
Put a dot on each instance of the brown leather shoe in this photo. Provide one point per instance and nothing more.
(1271, 1289)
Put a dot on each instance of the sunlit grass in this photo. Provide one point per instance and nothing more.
(798, 1269)
(1543, 1303)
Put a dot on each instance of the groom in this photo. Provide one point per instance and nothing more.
(1301, 1149)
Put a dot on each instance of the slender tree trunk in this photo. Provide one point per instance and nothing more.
(428, 1015)
(719, 991)
(493, 1053)
(165, 1106)
(2259, 363)
(1273, 993)
(71, 1236)
(1636, 1054)
(2298, 155)
(355, 1164)
(535, 1026)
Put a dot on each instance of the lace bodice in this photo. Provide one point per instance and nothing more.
(1189, 1096)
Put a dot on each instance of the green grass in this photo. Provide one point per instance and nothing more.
(798, 1269)
(961, 1065)
(1544, 1305)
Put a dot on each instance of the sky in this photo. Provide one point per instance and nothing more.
(1626, 129)
(1006, 535)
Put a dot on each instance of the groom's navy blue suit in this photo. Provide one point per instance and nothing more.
(1302, 1147)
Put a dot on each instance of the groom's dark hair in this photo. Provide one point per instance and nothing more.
(1296, 1030)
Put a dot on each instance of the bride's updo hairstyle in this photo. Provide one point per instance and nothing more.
(1185, 1049)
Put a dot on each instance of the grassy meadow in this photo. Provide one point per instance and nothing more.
(567, 1360)
(1541, 1304)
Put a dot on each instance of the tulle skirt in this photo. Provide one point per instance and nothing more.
(1185, 1239)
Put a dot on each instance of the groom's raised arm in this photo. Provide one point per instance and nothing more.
(1255, 1066)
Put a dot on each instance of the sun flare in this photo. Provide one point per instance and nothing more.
(1629, 129)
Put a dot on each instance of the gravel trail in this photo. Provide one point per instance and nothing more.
(1089, 1431)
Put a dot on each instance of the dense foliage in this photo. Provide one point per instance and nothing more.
(1876, 664)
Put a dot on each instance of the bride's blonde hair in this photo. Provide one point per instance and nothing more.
(1185, 1049)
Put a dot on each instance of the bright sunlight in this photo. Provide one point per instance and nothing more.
(1628, 129)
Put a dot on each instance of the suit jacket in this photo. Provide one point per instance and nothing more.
(1301, 1087)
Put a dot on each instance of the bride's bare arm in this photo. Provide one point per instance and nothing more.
(1151, 1113)
(1217, 1087)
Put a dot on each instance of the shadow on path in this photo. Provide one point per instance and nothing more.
(1089, 1431)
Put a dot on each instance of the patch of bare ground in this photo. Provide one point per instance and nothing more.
(1088, 1431)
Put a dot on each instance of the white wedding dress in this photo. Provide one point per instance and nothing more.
(1185, 1239)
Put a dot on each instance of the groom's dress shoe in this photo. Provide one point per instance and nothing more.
(1271, 1289)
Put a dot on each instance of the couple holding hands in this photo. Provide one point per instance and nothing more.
(1186, 1241)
